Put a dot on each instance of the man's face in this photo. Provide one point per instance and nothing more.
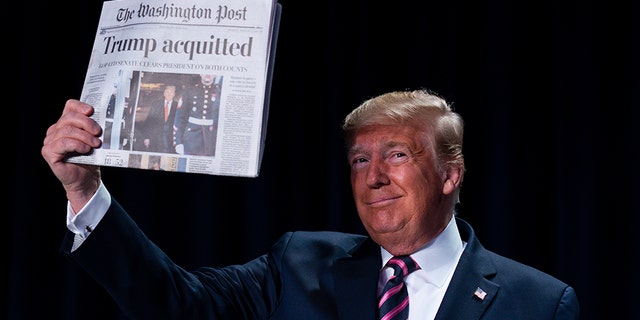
(207, 79)
(169, 93)
(396, 186)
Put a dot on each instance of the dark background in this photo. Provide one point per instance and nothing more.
(549, 91)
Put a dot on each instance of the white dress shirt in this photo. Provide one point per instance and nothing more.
(427, 285)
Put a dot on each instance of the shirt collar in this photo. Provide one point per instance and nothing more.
(438, 258)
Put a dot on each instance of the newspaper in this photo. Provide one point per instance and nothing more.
(182, 85)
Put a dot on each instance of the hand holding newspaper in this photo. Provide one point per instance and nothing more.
(182, 86)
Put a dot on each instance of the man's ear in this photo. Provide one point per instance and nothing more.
(452, 179)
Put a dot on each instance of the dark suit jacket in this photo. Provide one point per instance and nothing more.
(306, 275)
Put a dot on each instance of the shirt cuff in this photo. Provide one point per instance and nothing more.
(87, 219)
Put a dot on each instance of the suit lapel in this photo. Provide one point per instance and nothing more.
(470, 292)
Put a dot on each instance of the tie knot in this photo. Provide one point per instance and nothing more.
(403, 265)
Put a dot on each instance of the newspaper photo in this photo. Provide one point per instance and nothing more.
(182, 85)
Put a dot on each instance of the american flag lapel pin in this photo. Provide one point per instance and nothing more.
(480, 294)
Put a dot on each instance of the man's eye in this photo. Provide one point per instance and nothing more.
(358, 160)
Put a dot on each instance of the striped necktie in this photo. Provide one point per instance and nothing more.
(394, 301)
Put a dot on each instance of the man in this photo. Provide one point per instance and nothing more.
(161, 118)
(405, 154)
(196, 121)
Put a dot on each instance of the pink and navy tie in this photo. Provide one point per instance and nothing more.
(393, 304)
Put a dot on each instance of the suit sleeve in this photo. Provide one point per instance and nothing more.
(568, 308)
(147, 284)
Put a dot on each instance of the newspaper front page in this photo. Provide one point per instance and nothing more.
(182, 85)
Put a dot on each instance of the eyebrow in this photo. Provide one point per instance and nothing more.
(387, 144)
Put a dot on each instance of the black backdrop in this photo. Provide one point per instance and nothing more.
(549, 91)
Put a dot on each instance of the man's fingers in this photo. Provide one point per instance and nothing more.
(77, 113)
(74, 132)
(71, 139)
(73, 105)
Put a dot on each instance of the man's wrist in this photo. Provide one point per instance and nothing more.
(79, 198)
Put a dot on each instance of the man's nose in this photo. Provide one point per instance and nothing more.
(377, 174)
